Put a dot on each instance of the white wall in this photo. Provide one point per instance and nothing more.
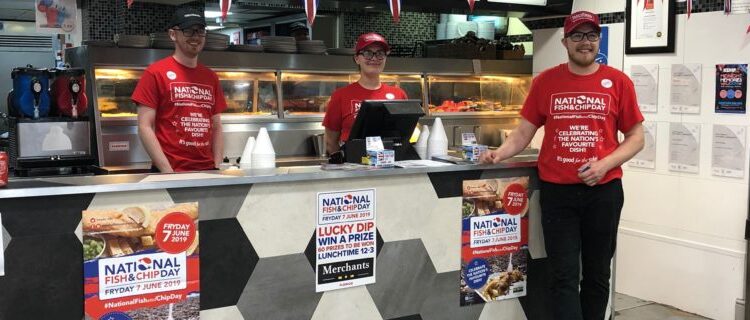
(681, 238)
(682, 235)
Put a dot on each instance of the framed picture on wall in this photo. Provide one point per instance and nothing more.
(649, 26)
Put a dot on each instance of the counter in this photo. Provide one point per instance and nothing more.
(257, 242)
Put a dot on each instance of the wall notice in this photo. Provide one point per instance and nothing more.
(646, 82)
(684, 147)
(494, 240)
(646, 158)
(731, 88)
(141, 263)
(345, 239)
(686, 88)
(728, 151)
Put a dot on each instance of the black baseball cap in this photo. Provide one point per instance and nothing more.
(186, 17)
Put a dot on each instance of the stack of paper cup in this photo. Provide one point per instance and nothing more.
(437, 144)
(451, 30)
(247, 154)
(263, 154)
(421, 145)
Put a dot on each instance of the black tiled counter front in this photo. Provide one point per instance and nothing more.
(254, 231)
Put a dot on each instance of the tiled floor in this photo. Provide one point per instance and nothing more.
(630, 308)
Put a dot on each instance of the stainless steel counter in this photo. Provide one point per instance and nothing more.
(38, 187)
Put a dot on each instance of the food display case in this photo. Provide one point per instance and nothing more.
(449, 94)
(288, 94)
(307, 94)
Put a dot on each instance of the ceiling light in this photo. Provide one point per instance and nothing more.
(369, 7)
(214, 27)
(215, 14)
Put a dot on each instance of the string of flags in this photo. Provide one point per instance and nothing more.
(224, 5)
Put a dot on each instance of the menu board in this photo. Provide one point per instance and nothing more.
(731, 88)
(345, 239)
(728, 151)
(494, 240)
(646, 82)
(686, 88)
(646, 158)
(684, 147)
(141, 262)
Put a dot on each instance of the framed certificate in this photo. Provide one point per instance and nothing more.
(649, 26)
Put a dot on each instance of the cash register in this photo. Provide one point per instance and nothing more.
(392, 120)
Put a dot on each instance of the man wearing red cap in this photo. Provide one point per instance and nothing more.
(370, 55)
(582, 105)
(180, 102)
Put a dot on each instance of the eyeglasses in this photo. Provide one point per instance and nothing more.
(578, 36)
(191, 32)
(380, 55)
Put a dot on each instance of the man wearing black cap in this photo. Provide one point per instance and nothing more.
(180, 101)
(582, 106)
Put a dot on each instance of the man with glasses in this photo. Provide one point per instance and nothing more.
(370, 55)
(180, 101)
(582, 105)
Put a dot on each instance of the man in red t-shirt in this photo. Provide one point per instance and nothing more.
(371, 52)
(582, 105)
(180, 101)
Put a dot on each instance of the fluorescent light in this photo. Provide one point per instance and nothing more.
(214, 27)
(215, 14)
(527, 2)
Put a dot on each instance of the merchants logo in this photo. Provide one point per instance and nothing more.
(191, 92)
(580, 103)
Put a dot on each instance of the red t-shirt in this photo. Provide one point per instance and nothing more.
(185, 99)
(581, 116)
(345, 102)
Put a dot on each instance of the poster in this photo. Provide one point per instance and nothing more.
(56, 16)
(648, 20)
(494, 240)
(603, 56)
(141, 263)
(686, 88)
(647, 157)
(345, 239)
(731, 88)
(684, 147)
(728, 151)
(646, 82)
(740, 6)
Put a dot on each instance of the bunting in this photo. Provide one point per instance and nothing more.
(311, 9)
(727, 6)
(395, 9)
(471, 5)
(130, 3)
(689, 7)
(224, 5)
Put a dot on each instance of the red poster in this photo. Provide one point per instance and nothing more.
(141, 263)
(494, 239)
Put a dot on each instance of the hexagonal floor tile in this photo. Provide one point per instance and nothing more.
(503, 310)
(442, 234)
(443, 300)
(227, 260)
(269, 213)
(219, 202)
(43, 216)
(280, 288)
(119, 200)
(6, 238)
(404, 274)
(225, 313)
(42, 268)
(356, 301)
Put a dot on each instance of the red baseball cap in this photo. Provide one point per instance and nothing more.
(578, 18)
(367, 39)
